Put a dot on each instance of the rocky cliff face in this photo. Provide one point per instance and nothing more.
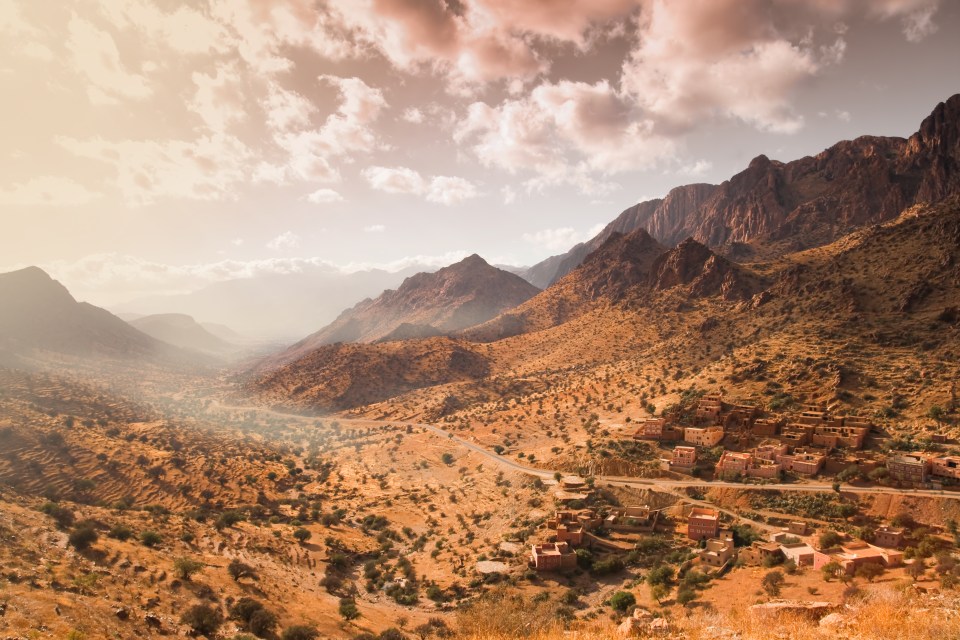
(706, 274)
(807, 202)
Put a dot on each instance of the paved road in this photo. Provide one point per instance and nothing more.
(648, 483)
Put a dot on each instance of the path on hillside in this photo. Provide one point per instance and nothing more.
(671, 486)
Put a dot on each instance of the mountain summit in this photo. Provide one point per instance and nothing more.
(454, 298)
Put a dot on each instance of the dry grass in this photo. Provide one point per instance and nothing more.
(887, 614)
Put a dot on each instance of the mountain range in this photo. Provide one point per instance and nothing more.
(784, 260)
(800, 204)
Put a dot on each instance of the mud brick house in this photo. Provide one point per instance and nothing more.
(760, 551)
(945, 467)
(855, 554)
(803, 461)
(888, 537)
(797, 435)
(685, 457)
(908, 468)
(709, 408)
(551, 556)
(717, 552)
(766, 427)
(703, 523)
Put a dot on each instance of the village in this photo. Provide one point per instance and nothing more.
(763, 449)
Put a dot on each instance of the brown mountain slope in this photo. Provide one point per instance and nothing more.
(807, 202)
(345, 375)
(453, 298)
(606, 275)
(38, 313)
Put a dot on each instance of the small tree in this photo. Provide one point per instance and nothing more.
(150, 538)
(829, 539)
(869, 571)
(302, 535)
(772, 583)
(686, 595)
(622, 601)
(238, 570)
(203, 619)
(659, 591)
(83, 536)
(348, 609)
(262, 623)
(447, 458)
(830, 570)
(300, 632)
(184, 568)
(917, 568)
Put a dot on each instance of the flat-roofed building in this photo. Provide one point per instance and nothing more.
(908, 468)
(703, 436)
(945, 467)
(551, 556)
(703, 523)
(888, 537)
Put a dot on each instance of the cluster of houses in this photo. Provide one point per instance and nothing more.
(573, 529)
(801, 444)
(787, 545)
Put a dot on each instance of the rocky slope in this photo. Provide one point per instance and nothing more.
(808, 202)
(453, 298)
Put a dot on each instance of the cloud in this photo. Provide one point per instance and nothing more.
(563, 132)
(560, 239)
(413, 115)
(150, 170)
(219, 98)
(94, 54)
(375, 228)
(447, 190)
(395, 180)
(698, 168)
(285, 241)
(324, 196)
(49, 191)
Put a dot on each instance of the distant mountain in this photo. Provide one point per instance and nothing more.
(277, 306)
(182, 331)
(38, 313)
(451, 299)
(805, 203)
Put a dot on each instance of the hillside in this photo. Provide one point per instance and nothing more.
(182, 331)
(456, 297)
(804, 203)
(38, 313)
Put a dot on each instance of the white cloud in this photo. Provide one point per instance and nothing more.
(509, 195)
(94, 54)
(219, 98)
(284, 242)
(450, 190)
(395, 180)
(412, 114)
(375, 228)
(47, 191)
(697, 168)
(150, 170)
(324, 196)
(560, 239)
(447, 190)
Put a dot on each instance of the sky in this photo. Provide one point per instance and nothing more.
(159, 146)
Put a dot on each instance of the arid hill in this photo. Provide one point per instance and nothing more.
(347, 375)
(804, 203)
(453, 298)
